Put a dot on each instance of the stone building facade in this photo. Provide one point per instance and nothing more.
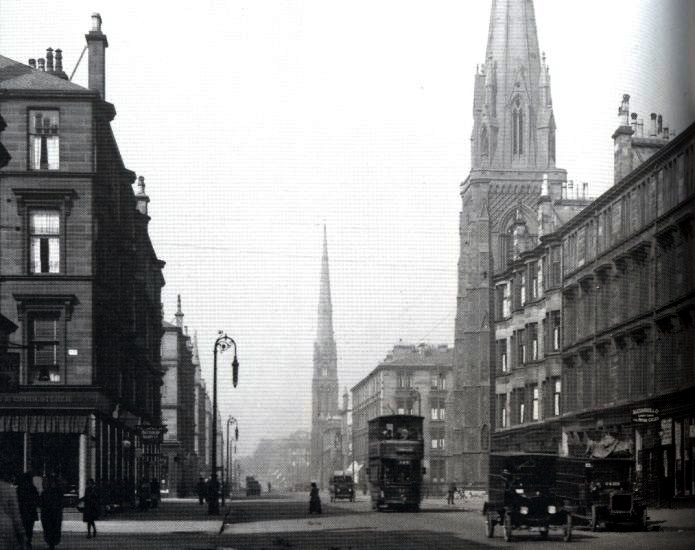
(81, 280)
(512, 154)
(410, 380)
(603, 360)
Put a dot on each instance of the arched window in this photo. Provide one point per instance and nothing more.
(517, 127)
(484, 142)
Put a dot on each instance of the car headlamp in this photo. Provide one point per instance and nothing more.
(552, 509)
(524, 510)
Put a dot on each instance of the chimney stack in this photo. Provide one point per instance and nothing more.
(32, 63)
(141, 198)
(49, 60)
(640, 127)
(59, 64)
(665, 133)
(633, 122)
(652, 130)
(659, 125)
(42, 64)
(624, 111)
(97, 44)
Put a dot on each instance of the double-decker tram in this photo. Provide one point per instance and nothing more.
(395, 462)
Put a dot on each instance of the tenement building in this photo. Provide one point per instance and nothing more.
(81, 281)
(410, 380)
(595, 355)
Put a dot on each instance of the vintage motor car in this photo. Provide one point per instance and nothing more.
(521, 497)
(342, 487)
(601, 491)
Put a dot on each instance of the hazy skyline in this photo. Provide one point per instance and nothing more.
(256, 122)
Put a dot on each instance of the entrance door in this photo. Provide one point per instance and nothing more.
(57, 454)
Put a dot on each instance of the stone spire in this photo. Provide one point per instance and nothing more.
(196, 357)
(179, 313)
(324, 326)
(513, 125)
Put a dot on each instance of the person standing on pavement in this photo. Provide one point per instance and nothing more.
(314, 499)
(144, 494)
(201, 489)
(451, 493)
(52, 512)
(28, 499)
(155, 492)
(11, 529)
(92, 507)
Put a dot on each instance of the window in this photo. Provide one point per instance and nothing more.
(502, 420)
(502, 355)
(517, 127)
(438, 410)
(438, 381)
(521, 342)
(44, 228)
(44, 349)
(324, 371)
(557, 390)
(534, 402)
(533, 340)
(522, 289)
(555, 272)
(44, 150)
(438, 438)
(555, 327)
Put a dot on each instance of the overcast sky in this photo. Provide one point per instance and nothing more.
(256, 122)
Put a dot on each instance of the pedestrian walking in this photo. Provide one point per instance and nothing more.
(451, 493)
(144, 494)
(91, 507)
(155, 492)
(269, 487)
(28, 500)
(11, 529)
(314, 499)
(201, 489)
(52, 512)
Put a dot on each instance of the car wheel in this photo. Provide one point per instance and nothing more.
(567, 536)
(489, 526)
(508, 527)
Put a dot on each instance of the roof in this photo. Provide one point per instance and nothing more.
(420, 357)
(167, 324)
(17, 76)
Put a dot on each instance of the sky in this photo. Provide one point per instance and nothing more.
(256, 122)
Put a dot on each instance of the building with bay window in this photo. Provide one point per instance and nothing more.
(80, 279)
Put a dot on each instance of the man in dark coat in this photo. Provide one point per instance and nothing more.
(91, 507)
(155, 491)
(201, 489)
(52, 512)
(28, 499)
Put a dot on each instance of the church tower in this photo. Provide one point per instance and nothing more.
(512, 155)
(324, 408)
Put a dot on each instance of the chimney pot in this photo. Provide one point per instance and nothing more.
(624, 111)
(49, 59)
(42, 64)
(32, 63)
(59, 60)
(652, 130)
(96, 22)
(659, 124)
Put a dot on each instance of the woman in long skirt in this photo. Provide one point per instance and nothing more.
(314, 499)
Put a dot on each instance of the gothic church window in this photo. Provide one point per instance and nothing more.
(517, 127)
(484, 142)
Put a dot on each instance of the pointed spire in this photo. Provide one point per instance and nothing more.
(324, 327)
(179, 314)
(196, 357)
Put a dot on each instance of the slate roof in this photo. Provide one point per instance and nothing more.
(18, 76)
(428, 357)
(167, 324)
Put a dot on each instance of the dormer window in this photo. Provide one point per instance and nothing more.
(44, 140)
(517, 127)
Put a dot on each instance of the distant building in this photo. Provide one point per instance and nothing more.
(80, 279)
(410, 380)
(325, 417)
(179, 461)
(284, 462)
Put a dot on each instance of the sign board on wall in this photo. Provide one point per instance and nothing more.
(645, 415)
(666, 431)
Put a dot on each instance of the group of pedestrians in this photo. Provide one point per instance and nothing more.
(19, 508)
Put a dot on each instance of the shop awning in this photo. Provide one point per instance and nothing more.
(44, 423)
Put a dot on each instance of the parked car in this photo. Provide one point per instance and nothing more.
(342, 487)
(521, 497)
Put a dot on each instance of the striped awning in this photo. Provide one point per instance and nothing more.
(44, 423)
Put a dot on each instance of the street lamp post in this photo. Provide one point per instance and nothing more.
(222, 344)
(230, 420)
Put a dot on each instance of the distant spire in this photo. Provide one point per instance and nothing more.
(196, 357)
(179, 313)
(324, 327)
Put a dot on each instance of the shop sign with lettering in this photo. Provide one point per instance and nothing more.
(666, 429)
(151, 434)
(645, 415)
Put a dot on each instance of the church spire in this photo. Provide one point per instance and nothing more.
(324, 327)
(179, 314)
(514, 124)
